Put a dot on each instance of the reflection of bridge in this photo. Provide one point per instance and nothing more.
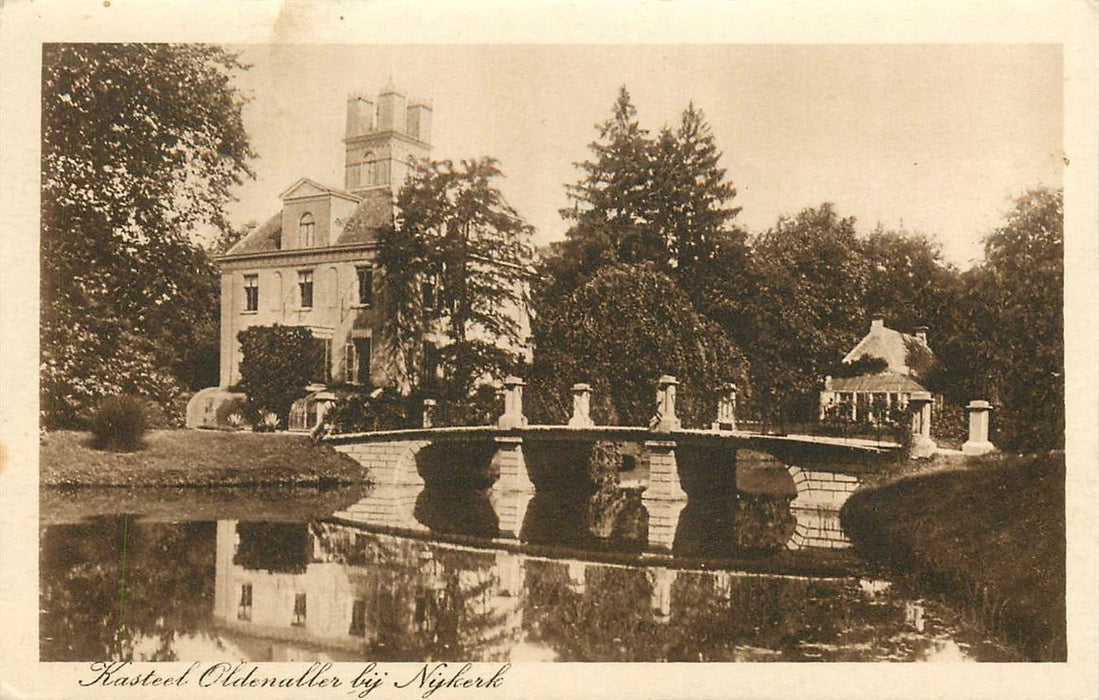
(352, 593)
(671, 463)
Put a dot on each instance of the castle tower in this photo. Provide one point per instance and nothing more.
(384, 135)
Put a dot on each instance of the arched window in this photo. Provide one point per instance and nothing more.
(368, 169)
(306, 226)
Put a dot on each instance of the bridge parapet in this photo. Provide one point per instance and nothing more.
(391, 463)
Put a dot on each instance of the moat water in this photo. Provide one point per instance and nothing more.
(411, 574)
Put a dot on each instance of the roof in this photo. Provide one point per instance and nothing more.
(372, 213)
(892, 382)
(305, 187)
(905, 354)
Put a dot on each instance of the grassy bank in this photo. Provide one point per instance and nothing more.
(990, 536)
(176, 458)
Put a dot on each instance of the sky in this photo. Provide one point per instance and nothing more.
(936, 139)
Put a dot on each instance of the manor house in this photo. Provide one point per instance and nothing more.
(312, 263)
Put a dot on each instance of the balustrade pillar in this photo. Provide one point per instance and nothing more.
(922, 444)
(661, 598)
(510, 464)
(978, 443)
(664, 498)
(581, 407)
(726, 408)
(665, 419)
(513, 405)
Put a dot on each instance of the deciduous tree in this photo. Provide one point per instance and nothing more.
(456, 266)
(619, 332)
(141, 144)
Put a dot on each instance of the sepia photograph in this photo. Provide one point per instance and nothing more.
(416, 367)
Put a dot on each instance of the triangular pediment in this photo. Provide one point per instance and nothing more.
(305, 188)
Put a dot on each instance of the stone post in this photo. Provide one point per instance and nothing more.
(324, 401)
(922, 444)
(978, 443)
(660, 600)
(726, 408)
(511, 509)
(581, 407)
(513, 405)
(664, 498)
(511, 466)
(665, 419)
(429, 413)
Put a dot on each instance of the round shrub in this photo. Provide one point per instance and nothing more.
(119, 424)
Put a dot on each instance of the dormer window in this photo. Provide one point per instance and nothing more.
(306, 230)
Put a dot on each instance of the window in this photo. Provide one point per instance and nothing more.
(357, 369)
(358, 618)
(322, 354)
(366, 285)
(244, 608)
(305, 287)
(299, 610)
(306, 226)
(251, 292)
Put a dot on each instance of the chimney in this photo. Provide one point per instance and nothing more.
(360, 116)
(392, 110)
(419, 121)
(877, 323)
(921, 334)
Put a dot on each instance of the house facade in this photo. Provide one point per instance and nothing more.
(871, 396)
(312, 264)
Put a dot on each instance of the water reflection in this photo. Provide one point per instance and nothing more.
(452, 586)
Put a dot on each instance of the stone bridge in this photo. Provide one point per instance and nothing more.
(674, 463)
(670, 467)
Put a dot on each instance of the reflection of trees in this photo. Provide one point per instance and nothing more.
(424, 601)
(166, 584)
(461, 511)
(274, 547)
(586, 518)
(714, 617)
(609, 621)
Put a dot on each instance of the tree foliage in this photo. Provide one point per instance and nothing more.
(1018, 322)
(141, 144)
(808, 282)
(662, 200)
(276, 364)
(456, 265)
(619, 332)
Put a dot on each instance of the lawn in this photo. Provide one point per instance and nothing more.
(173, 458)
(991, 536)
